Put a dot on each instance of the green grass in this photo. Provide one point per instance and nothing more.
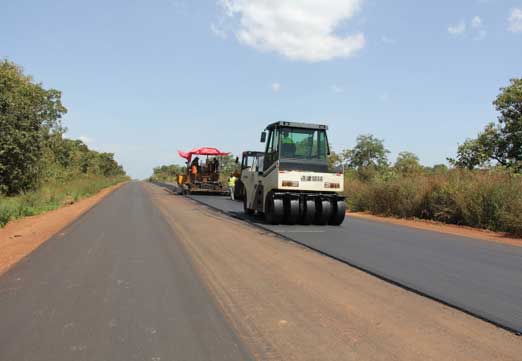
(51, 196)
(488, 199)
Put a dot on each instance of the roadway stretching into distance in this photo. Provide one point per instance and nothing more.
(117, 284)
(114, 285)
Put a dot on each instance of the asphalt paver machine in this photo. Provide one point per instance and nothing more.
(203, 169)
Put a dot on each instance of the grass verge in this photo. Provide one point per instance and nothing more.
(52, 196)
(489, 199)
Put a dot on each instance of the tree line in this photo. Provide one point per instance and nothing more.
(481, 188)
(499, 145)
(33, 149)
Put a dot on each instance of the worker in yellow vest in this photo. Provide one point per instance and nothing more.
(232, 185)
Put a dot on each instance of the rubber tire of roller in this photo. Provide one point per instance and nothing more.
(338, 213)
(245, 209)
(308, 212)
(239, 191)
(274, 210)
(324, 212)
(291, 211)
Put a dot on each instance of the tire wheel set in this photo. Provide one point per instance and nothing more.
(292, 211)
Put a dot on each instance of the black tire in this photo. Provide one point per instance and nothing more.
(291, 211)
(338, 212)
(239, 191)
(247, 210)
(308, 212)
(274, 209)
(323, 212)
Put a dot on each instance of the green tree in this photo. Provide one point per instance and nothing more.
(107, 166)
(167, 173)
(65, 159)
(335, 160)
(438, 169)
(29, 115)
(407, 163)
(369, 152)
(228, 165)
(501, 142)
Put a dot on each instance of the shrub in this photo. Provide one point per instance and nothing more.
(490, 199)
(52, 196)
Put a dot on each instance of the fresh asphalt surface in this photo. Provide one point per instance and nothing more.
(480, 277)
(114, 285)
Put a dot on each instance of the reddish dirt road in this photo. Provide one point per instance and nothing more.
(290, 303)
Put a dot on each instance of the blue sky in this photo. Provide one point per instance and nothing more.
(143, 79)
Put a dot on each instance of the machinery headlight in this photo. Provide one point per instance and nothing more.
(332, 185)
(291, 184)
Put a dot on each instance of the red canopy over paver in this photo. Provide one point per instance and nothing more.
(201, 151)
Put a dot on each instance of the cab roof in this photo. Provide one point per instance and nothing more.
(253, 153)
(297, 125)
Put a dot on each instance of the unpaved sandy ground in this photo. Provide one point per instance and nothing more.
(290, 303)
(20, 237)
(427, 225)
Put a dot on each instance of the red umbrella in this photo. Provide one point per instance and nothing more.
(201, 151)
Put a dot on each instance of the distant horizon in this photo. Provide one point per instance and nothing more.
(144, 80)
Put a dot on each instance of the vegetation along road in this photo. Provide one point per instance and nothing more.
(145, 275)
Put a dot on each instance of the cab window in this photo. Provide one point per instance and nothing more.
(272, 148)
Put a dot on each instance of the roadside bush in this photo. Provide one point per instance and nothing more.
(489, 199)
(402, 197)
(52, 196)
(167, 173)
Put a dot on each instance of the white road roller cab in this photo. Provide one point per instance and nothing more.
(291, 183)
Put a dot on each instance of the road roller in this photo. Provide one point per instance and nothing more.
(290, 183)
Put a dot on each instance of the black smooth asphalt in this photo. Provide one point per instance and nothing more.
(479, 277)
(116, 285)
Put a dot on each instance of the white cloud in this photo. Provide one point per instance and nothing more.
(217, 31)
(476, 25)
(476, 22)
(515, 20)
(476, 28)
(85, 139)
(337, 89)
(299, 30)
(275, 87)
(457, 29)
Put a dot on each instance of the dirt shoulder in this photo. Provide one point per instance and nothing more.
(433, 226)
(290, 303)
(20, 237)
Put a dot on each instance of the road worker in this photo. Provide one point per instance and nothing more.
(287, 145)
(232, 185)
(194, 168)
